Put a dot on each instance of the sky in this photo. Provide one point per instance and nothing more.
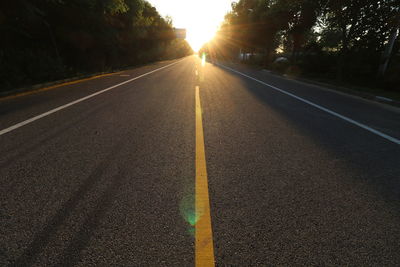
(200, 18)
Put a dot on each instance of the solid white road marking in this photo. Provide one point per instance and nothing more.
(25, 122)
(365, 127)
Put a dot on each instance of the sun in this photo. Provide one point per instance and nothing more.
(198, 36)
(200, 27)
(201, 19)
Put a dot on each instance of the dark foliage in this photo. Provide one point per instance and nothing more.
(43, 40)
(343, 40)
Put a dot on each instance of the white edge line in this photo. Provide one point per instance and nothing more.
(25, 122)
(365, 127)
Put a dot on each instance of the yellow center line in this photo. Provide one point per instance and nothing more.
(204, 248)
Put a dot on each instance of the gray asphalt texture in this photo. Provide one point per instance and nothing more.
(110, 181)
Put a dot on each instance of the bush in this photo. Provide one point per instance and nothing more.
(280, 66)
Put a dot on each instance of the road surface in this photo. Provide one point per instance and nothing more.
(180, 163)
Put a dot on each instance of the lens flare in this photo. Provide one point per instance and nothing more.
(203, 59)
(187, 209)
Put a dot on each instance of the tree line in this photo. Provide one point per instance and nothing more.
(43, 40)
(346, 40)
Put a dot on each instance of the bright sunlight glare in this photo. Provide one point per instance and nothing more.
(201, 19)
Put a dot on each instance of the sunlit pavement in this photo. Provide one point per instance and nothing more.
(195, 163)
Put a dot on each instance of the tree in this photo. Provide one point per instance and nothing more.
(51, 39)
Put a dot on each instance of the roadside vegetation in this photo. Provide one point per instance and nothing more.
(44, 40)
(341, 41)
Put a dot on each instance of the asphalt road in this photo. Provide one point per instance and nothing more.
(106, 175)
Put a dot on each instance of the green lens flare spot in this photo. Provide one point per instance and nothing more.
(188, 211)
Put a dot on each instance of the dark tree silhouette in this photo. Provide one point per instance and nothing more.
(45, 40)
